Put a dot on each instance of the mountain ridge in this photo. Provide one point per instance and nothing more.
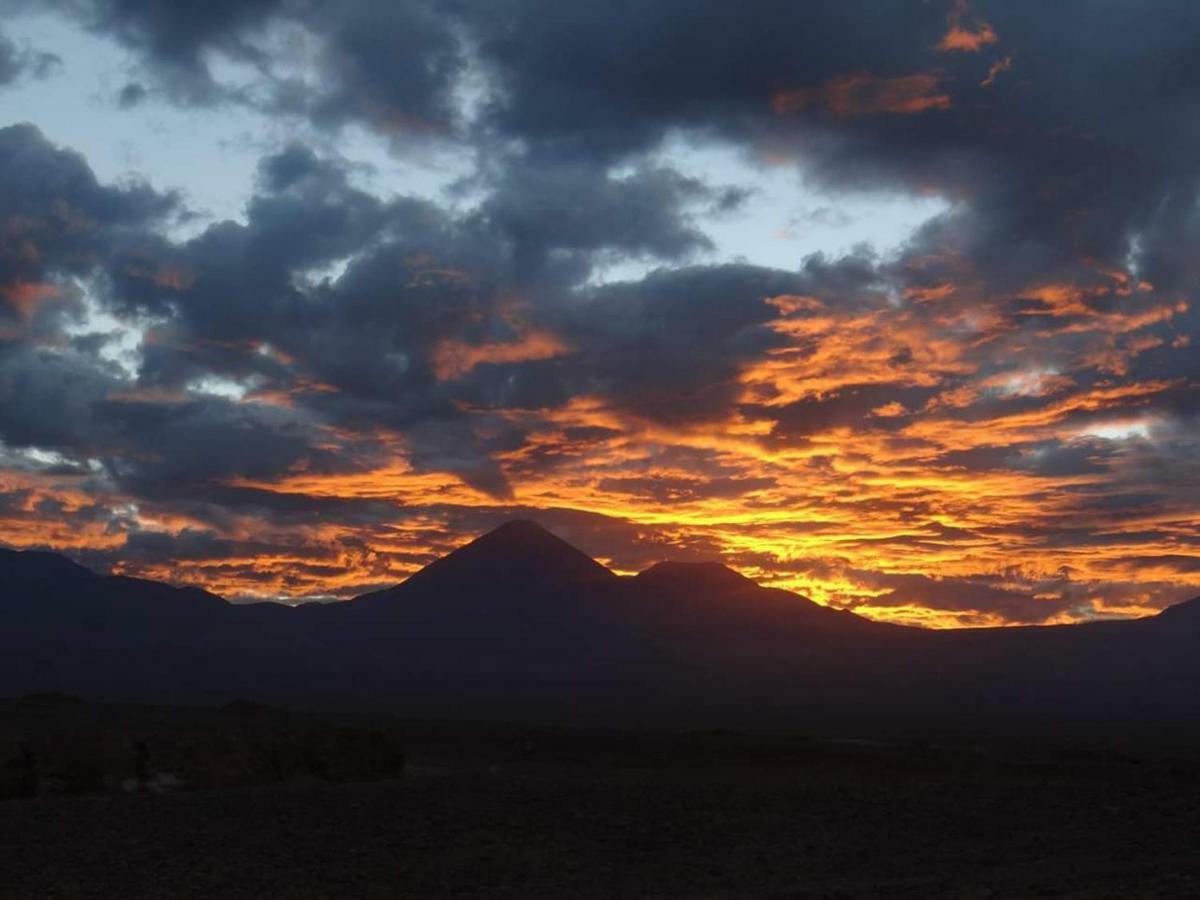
(513, 535)
(520, 625)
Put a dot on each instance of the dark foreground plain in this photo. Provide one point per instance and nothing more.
(520, 811)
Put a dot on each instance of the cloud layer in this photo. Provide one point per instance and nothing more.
(997, 423)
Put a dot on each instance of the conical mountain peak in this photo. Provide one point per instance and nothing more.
(518, 532)
(519, 555)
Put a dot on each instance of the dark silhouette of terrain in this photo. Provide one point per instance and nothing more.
(244, 800)
(519, 625)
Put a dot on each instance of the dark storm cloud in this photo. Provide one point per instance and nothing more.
(1035, 152)
(189, 544)
(172, 37)
(11, 64)
(578, 208)
(58, 217)
(1078, 147)
(70, 404)
(283, 509)
(1042, 457)
(602, 79)
(131, 95)
(605, 80)
(391, 66)
(211, 439)
(669, 346)
(307, 216)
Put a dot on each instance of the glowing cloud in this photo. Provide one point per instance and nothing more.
(967, 38)
(1001, 65)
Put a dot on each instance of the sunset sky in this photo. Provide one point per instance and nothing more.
(890, 303)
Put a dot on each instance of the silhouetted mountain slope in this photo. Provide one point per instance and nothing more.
(46, 590)
(1186, 612)
(699, 598)
(18, 566)
(516, 596)
(519, 624)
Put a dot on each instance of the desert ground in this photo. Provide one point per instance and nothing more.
(262, 810)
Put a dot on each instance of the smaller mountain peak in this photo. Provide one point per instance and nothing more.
(707, 574)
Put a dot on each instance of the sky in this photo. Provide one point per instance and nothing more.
(892, 304)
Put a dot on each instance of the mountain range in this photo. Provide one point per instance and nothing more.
(520, 625)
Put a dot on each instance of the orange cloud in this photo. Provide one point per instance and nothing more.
(965, 38)
(862, 94)
(24, 296)
(889, 410)
(452, 358)
(1000, 65)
